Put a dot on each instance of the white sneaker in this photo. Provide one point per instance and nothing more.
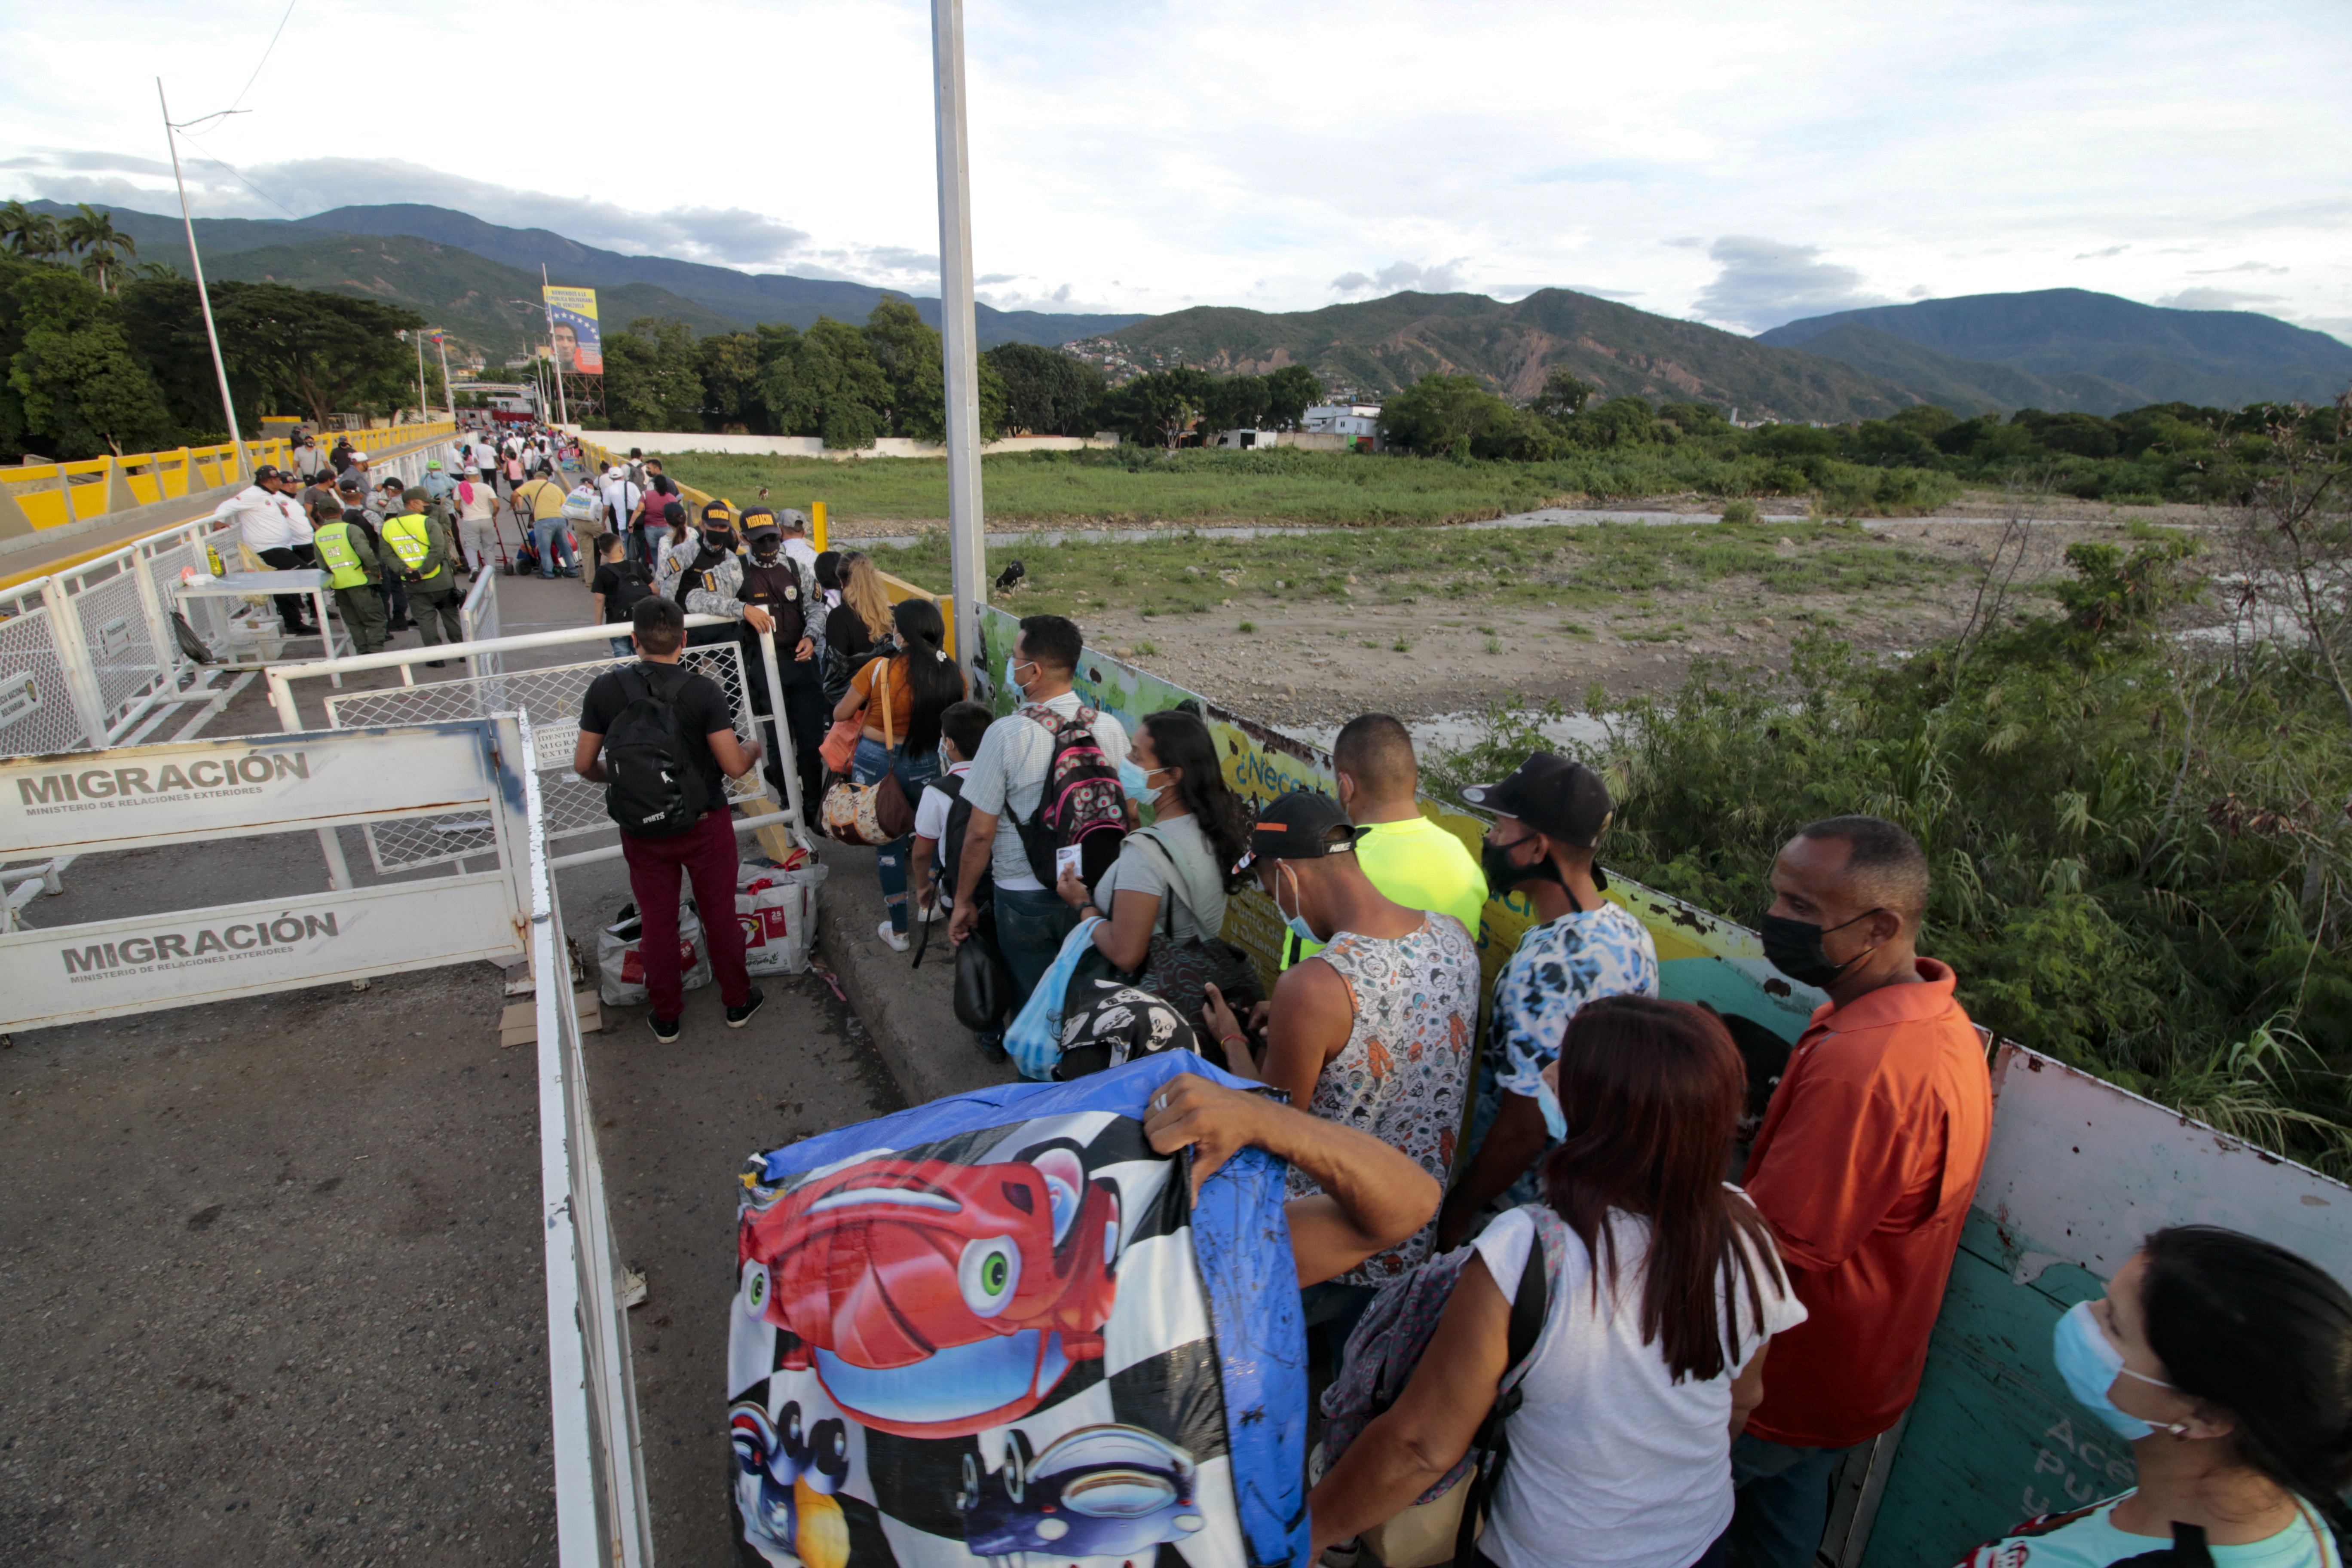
(891, 939)
(936, 912)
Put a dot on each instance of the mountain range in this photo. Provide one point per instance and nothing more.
(2071, 348)
(483, 277)
(1382, 345)
(2056, 349)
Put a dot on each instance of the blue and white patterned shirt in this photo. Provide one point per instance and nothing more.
(1556, 968)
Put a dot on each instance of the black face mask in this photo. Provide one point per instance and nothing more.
(1503, 873)
(1794, 948)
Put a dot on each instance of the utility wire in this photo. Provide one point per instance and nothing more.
(239, 177)
(266, 53)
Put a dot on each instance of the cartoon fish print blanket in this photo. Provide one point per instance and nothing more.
(996, 1327)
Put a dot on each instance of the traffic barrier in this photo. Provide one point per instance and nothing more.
(152, 796)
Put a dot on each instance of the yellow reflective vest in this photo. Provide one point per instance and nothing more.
(409, 540)
(340, 554)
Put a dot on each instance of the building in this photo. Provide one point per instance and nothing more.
(1357, 424)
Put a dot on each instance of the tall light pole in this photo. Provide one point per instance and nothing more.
(422, 409)
(967, 534)
(203, 297)
(441, 342)
(554, 362)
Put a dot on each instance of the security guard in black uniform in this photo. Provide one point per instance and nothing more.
(781, 592)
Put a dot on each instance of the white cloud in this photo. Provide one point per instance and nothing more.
(1762, 283)
(2205, 298)
(1958, 146)
(2240, 267)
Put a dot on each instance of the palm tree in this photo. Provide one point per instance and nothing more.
(92, 234)
(27, 232)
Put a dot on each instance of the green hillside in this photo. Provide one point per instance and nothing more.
(1385, 345)
(486, 306)
(2103, 353)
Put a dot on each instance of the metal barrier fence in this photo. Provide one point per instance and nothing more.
(600, 1517)
(89, 657)
(550, 696)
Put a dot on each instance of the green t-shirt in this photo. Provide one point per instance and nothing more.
(1419, 864)
(2087, 1538)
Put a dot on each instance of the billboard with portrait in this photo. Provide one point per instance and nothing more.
(571, 322)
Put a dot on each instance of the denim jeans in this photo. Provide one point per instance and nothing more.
(1030, 925)
(871, 762)
(554, 537)
(1780, 1503)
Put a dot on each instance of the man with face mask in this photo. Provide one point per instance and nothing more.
(710, 570)
(1865, 1164)
(1374, 1031)
(1548, 817)
(776, 594)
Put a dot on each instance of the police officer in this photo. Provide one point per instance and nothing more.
(353, 553)
(422, 546)
(710, 570)
(352, 492)
(779, 595)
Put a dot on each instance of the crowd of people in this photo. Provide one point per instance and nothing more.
(1588, 1145)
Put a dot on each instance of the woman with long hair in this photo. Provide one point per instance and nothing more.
(2226, 1362)
(860, 626)
(1164, 898)
(1668, 1291)
(902, 697)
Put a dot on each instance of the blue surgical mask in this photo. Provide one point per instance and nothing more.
(1298, 923)
(1133, 779)
(1011, 681)
(2090, 1363)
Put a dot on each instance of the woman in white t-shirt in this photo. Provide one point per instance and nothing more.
(1651, 1356)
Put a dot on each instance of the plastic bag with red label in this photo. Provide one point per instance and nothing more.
(621, 965)
(776, 906)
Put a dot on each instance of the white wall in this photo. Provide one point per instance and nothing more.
(659, 442)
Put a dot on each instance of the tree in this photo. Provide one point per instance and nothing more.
(1160, 406)
(28, 233)
(652, 376)
(1444, 413)
(92, 236)
(72, 380)
(1290, 392)
(730, 362)
(2294, 537)
(321, 352)
(1563, 397)
(1234, 403)
(1046, 392)
(824, 382)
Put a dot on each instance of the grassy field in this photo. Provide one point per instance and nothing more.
(1592, 568)
(1284, 486)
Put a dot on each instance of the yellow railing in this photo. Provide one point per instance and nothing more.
(36, 496)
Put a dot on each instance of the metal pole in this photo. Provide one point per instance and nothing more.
(441, 342)
(212, 333)
(424, 409)
(554, 362)
(967, 537)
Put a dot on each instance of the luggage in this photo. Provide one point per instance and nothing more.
(621, 965)
(995, 1327)
(776, 907)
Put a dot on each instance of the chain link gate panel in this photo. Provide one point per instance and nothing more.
(548, 700)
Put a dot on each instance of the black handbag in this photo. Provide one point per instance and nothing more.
(984, 986)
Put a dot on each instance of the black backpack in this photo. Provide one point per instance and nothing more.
(656, 792)
(631, 585)
(951, 844)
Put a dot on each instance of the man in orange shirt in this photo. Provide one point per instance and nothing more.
(1865, 1164)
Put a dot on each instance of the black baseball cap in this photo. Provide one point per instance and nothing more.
(350, 482)
(1556, 798)
(757, 521)
(1298, 827)
(268, 471)
(718, 512)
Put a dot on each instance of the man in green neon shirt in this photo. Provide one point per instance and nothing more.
(1411, 859)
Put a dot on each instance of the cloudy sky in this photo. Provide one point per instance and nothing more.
(1733, 161)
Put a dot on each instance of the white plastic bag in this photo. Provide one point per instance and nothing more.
(621, 969)
(777, 910)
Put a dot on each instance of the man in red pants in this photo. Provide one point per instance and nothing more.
(702, 735)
